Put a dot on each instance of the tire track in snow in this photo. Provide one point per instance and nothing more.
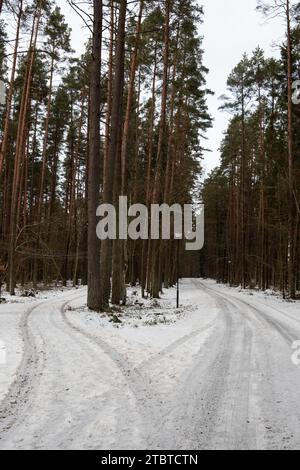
(90, 410)
(27, 378)
(264, 317)
(151, 404)
(24, 387)
(225, 393)
(20, 397)
(179, 342)
(277, 425)
(147, 399)
(200, 398)
(208, 410)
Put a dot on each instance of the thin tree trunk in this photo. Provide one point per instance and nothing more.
(147, 244)
(109, 87)
(45, 146)
(71, 216)
(291, 249)
(10, 91)
(20, 145)
(262, 217)
(243, 199)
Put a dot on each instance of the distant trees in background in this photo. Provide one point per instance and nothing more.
(126, 118)
(253, 199)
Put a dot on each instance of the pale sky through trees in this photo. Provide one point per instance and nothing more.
(231, 27)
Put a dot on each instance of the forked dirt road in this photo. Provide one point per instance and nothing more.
(229, 383)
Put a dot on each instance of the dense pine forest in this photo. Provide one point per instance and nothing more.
(253, 198)
(126, 118)
(129, 117)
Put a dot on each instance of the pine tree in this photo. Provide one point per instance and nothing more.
(94, 279)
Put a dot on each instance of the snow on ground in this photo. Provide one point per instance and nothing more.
(214, 374)
(147, 330)
(270, 299)
(51, 371)
(11, 342)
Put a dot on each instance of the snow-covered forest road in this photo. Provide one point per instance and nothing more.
(221, 377)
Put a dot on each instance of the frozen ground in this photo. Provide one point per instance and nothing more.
(216, 374)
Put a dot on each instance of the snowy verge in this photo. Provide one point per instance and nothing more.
(11, 342)
(152, 328)
(26, 296)
(269, 298)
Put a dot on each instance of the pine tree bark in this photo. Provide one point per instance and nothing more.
(156, 277)
(291, 248)
(94, 279)
(20, 145)
(243, 196)
(116, 122)
(10, 91)
(146, 255)
(119, 246)
(109, 87)
(45, 144)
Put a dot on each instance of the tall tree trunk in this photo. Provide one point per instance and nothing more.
(167, 185)
(10, 91)
(119, 255)
(71, 225)
(156, 278)
(45, 145)
(116, 122)
(291, 249)
(146, 278)
(94, 279)
(20, 145)
(262, 204)
(43, 169)
(243, 198)
(109, 87)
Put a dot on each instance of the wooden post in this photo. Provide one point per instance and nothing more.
(2, 271)
(178, 274)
